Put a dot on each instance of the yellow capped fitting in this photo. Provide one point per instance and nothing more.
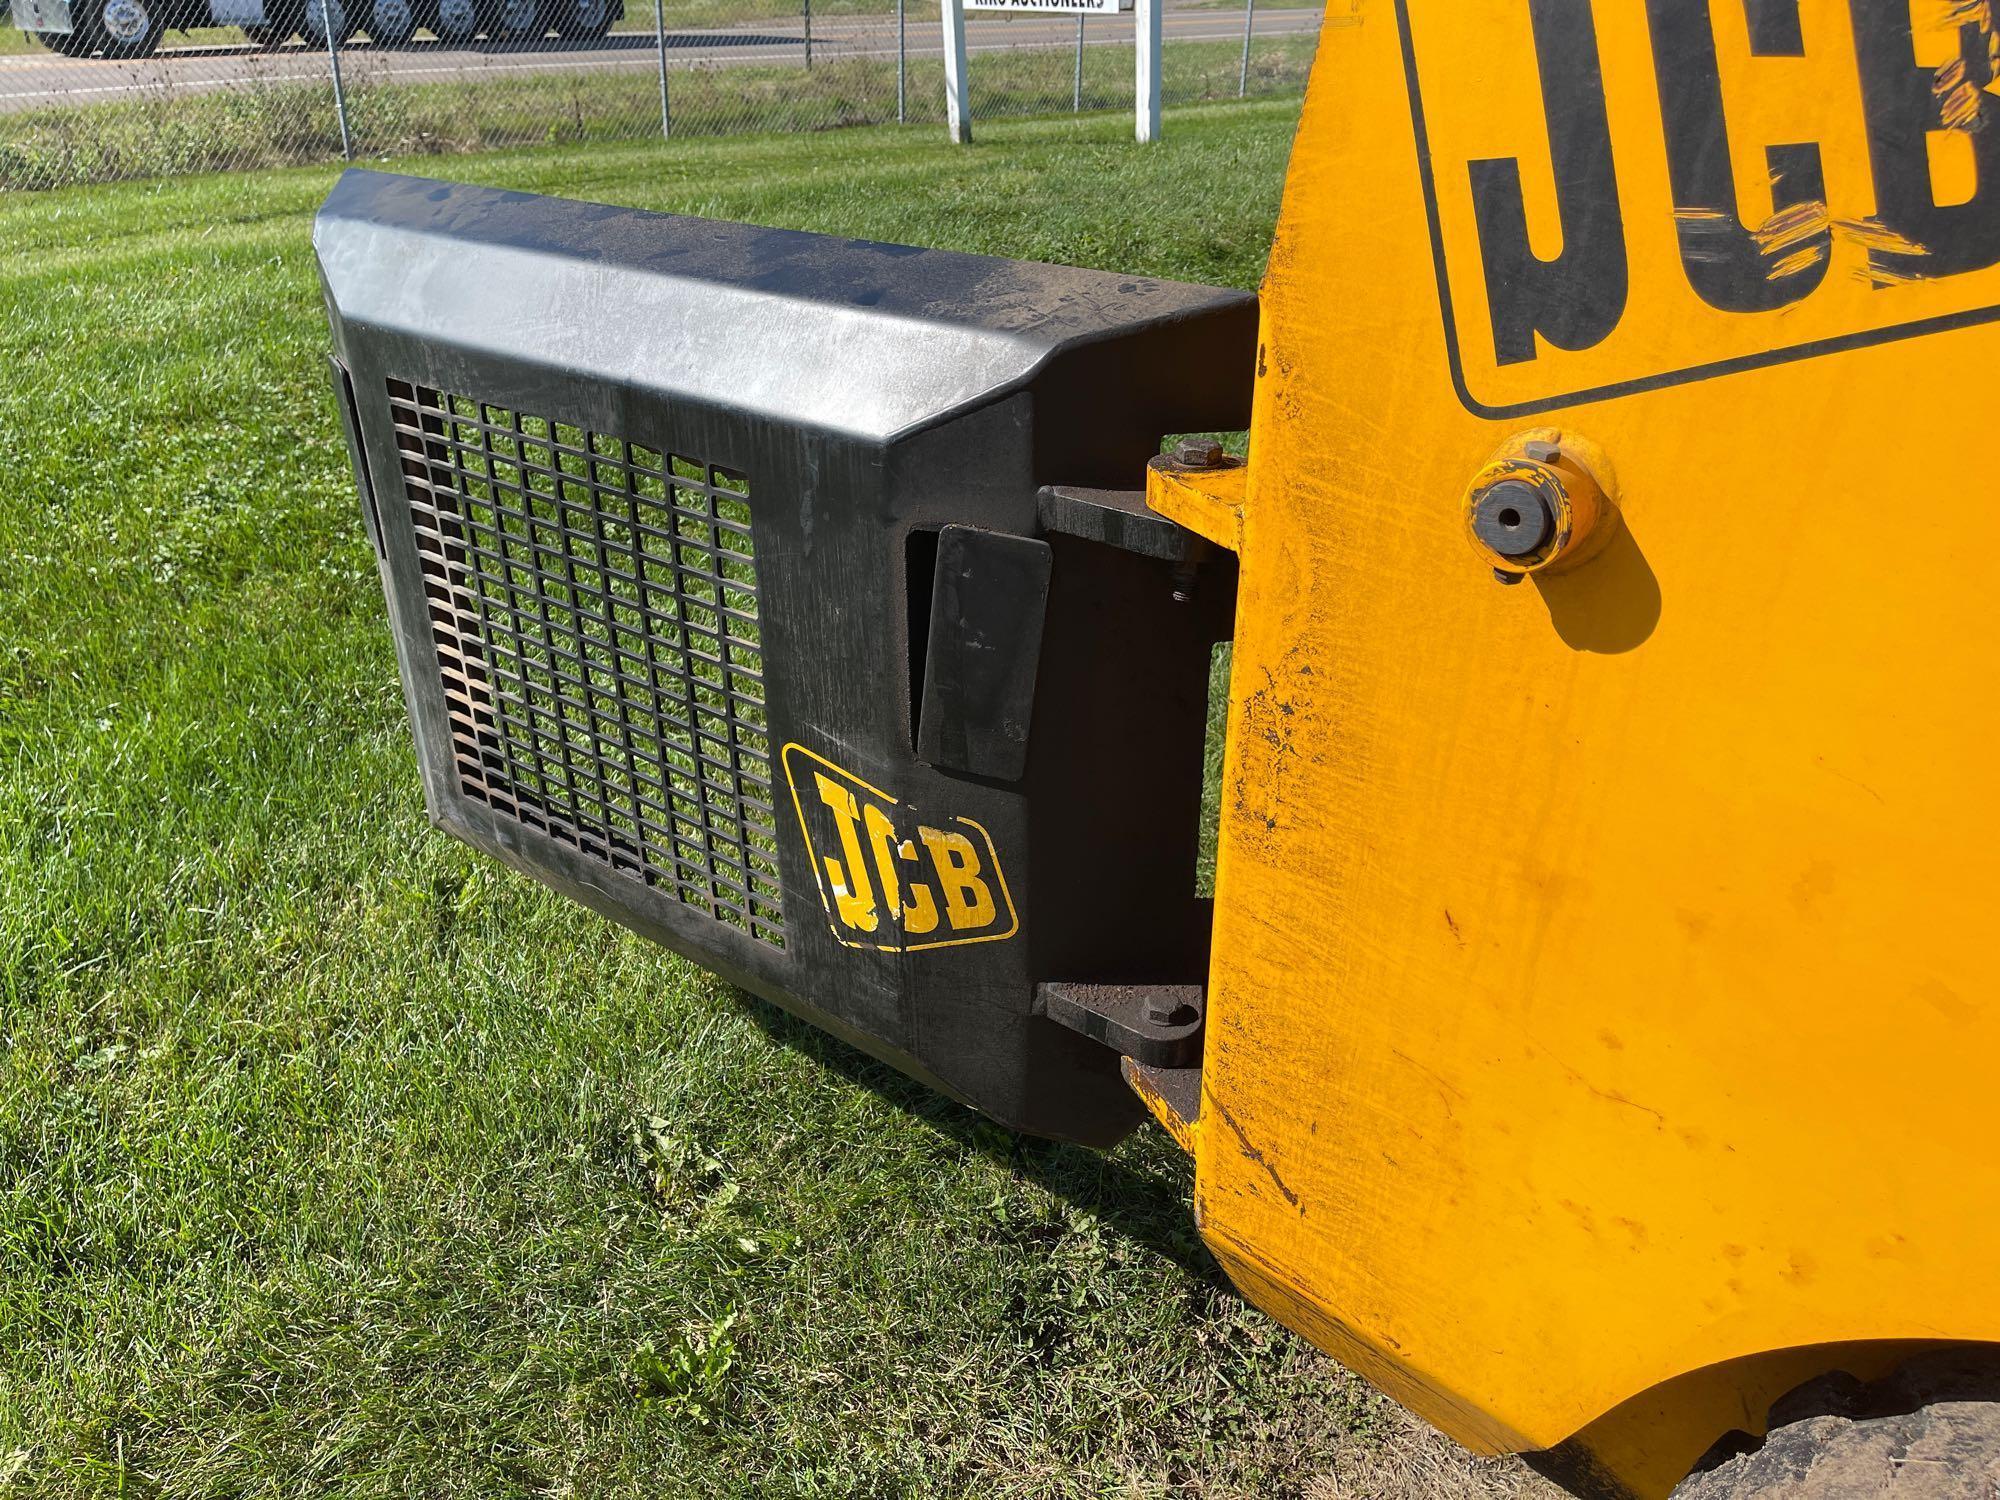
(1538, 504)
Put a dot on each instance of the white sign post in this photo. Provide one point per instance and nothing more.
(1146, 36)
(957, 108)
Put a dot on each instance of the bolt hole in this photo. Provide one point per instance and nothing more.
(1510, 518)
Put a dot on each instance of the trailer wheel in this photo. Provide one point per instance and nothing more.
(454, 21)
(314, 22)
(66, 43)
(1931, 1431)
(459, 21)
(451, 21)
(516, 21)
(121, 28)
(583, 20)
(391, 23)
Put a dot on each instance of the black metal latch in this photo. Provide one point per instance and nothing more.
(1159, 1025)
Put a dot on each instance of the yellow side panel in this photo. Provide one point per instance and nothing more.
(1604, 978)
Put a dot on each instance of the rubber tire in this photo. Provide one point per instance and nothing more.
(143, 45)
(387, 35)
(346, 22)
(456, 36)
(530, 29)
(67, 43)
(1931, 1431)
(571, 25)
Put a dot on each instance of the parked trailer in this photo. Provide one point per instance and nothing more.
(395, 23)
(123, 28)
(134, 28)
(392, 23)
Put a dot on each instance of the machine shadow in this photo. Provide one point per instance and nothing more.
(1608, 605)
(1155, 1209)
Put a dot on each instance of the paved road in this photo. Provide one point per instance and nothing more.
(39, 80)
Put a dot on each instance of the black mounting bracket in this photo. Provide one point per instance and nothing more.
(1159, 1025)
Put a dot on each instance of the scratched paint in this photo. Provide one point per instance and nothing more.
(1504, 923)
(1599, 222)
(1798, 238)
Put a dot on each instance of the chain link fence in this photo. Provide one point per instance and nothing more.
(98, 90)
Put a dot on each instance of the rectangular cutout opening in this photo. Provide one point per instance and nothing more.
(920, 551)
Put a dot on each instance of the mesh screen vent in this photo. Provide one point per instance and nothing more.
(594, 608)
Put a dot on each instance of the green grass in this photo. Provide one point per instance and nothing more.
(264, 123)
(336, 1160)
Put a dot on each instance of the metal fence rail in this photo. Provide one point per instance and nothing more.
(118, 95)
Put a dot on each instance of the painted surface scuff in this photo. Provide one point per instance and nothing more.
(1798, 238)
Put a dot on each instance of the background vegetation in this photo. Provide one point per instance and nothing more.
(273, 123)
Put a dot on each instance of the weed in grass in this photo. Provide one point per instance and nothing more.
(690, 1377)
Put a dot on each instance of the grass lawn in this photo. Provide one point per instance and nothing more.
(337, 1160)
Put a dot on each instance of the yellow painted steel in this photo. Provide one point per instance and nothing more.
(1603, 999)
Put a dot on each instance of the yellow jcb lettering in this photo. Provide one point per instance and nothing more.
(853, 896)
(920, 913)
(912, 904)
(882, 844)
(968, 901)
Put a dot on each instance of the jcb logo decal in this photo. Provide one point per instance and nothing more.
(1626, 194)
(888, 879)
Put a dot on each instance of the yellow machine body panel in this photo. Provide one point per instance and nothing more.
(1603, 991)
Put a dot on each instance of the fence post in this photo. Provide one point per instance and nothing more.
(957, 108)
(660, 40)
(339, 93)
(1146, 40)
(808, 7)
(1243, 75)
(902, 61)
(1076, 87)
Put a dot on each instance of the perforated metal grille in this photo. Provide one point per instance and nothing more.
(594, 607)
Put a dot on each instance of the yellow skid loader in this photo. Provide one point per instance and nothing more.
(1592, 1035)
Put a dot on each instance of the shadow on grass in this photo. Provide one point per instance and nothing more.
(1154, 1209)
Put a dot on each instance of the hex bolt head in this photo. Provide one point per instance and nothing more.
(1538, 504)
(1198, 453)
(1513, 518)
